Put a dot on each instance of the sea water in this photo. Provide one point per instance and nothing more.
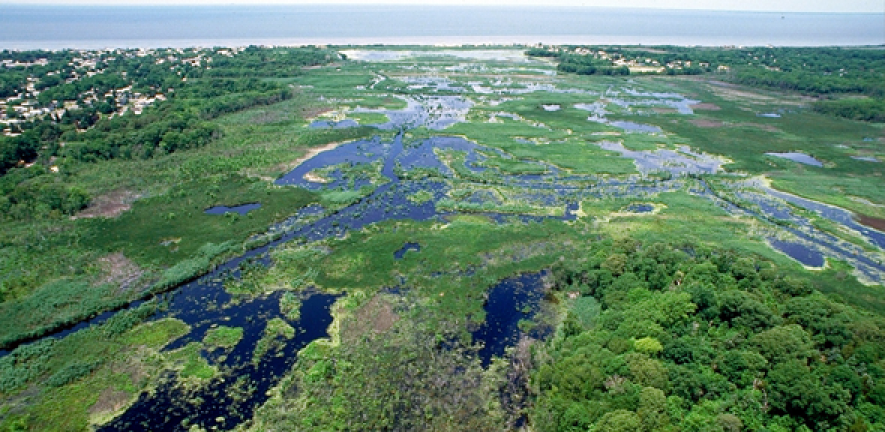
(95, 27)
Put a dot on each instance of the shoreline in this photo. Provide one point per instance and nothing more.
(382, 42)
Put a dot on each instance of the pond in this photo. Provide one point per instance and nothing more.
(240, 209)
(512, 300)
(798, 157)
(681, 162)
(866, 159)
(634, 127)
(640, 208)
(399, 254)
(799, 252)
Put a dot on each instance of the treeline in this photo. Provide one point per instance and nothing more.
(255, 61)
(580, 64)
(809, 83)
(30, 194)
(871, 110)
(822, 72)
(665, 338)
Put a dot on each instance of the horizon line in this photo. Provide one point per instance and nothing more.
(432, 3)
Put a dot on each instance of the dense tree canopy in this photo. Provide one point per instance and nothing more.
(727, 343)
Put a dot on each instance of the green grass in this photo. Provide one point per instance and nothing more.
(276, 329)
(386, 102)
(574, 154)
(192, 364)
(420, 197)
(123, 359)
(368, 118)
(223, 337)
(163, 230)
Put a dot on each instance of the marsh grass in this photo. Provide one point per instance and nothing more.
(223, 337)
(274, 333)
(119, 356)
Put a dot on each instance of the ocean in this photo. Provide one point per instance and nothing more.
(93, 27)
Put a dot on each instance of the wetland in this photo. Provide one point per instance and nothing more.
(408, 238)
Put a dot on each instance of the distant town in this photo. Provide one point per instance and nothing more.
(109, 97)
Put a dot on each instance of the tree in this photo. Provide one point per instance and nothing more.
(647, 372)
(618, 421)
(648, 346)
(796, 391)
(784, 344)
(743, 311)
(652, 409)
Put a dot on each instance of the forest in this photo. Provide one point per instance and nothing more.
(677, 337)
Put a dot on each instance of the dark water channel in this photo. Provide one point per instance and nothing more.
(640, 208)
(240, 209)
(804, 254)
(509, 302)
(231, 398)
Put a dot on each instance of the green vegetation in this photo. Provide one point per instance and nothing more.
(678, 319)
(822, 72)
(65, 378)
(192, 364)
(276, 329)
(164, 229)
(223, 337)
(421, 197)
(138, 224)
(698, 339)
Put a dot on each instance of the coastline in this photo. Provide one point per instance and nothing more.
(449, 41)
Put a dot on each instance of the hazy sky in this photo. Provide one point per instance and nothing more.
(751, 5)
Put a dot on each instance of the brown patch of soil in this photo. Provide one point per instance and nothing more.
(135, 367)
(705, 107)
(376, 316)
(313, 178)
(702, 123)
(311, 113)
(110, 205)
(289, 166)
(110, 401)
(872, 222)
(119, 270)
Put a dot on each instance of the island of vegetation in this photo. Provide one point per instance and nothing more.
(562, 238)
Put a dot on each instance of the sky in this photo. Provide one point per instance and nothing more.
(875, 6)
